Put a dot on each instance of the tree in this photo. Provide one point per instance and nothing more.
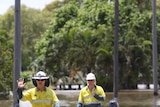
(135, 45)
(6, 59)
(73, 37)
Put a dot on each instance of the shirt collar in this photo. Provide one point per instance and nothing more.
(39, 90)
(88, 88)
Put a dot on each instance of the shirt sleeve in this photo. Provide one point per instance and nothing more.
(55, 99)
(80, 100)
(79, 104)
(27, 95)
(100, 95)
(19, 92)
(57, 104)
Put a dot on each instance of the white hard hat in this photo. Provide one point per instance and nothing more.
(40, 75)
(90, 76)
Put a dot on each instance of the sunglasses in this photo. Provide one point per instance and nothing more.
(90, 80)
(40, 79)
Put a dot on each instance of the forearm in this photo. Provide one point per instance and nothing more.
(98, 97)
(19, 92)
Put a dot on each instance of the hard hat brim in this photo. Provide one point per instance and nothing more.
(40, 78)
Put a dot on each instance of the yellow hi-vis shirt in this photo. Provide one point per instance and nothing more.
(86, 97)
(38, 98)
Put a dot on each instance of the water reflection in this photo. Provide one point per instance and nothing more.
(71, 95)
(125, 98)
(128, 98)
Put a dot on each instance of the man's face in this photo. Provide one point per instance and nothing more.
(91, 82)
(40, 82)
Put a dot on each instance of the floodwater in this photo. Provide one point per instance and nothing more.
(127, 98)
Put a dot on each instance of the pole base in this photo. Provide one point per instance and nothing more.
(113, 103)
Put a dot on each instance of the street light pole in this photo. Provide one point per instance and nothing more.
(114, 102)
(116, 50)
(154, 46)
(17, 52)
(154, 52)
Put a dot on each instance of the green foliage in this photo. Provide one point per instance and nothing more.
(6, 62)
(70, 38)
(135, 26)
(33, 24)
(27, 76)
(80, 34)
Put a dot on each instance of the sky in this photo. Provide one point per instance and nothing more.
(38, 4)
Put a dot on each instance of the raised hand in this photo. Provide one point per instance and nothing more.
(20, 83)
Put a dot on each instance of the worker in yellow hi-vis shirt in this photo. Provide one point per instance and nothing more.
(92, 94)
(41, 95)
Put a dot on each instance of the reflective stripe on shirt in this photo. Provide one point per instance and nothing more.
(41, 101)
(87, 97)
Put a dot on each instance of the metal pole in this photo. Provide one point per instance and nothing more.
(154, 46)
(116, 50)
(17, 52)
(114, 102)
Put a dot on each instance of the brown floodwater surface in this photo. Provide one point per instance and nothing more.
(126, 98)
